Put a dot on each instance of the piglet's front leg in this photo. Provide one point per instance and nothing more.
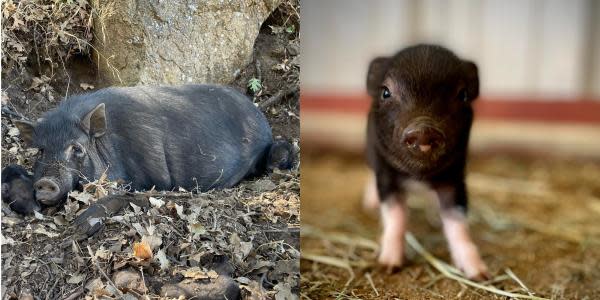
(453, 204)
(394, 216)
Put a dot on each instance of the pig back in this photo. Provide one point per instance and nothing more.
(190, 136)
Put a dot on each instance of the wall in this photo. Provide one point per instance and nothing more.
(539, 49)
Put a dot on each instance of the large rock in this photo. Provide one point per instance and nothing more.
(161, 41)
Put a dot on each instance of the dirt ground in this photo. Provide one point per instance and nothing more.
(537, 217)
(249, 233)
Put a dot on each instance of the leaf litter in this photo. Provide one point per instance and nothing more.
(191, 236)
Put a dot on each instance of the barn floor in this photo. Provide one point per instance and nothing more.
(536, 218)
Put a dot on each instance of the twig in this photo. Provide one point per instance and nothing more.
(512, 275)
(278, 97)
(257, 68)
(327, 260)
(93, 258)
(438, 265)
(341, 238)
(346, 285)
(370, 280)
(144, 282)
(62, 61)
(7, 110)
(75, 295)
(52, 288)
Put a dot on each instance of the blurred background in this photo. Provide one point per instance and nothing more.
(538, 61)
(534, 168)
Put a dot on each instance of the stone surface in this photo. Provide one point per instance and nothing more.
(174, 42)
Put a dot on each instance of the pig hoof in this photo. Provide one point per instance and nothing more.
(483, 276)
(478, 272)
(90, 221)
(391, 260)
(474, 268)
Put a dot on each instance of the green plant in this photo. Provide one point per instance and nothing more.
(254, 85)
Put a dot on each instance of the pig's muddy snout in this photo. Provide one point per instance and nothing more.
(47, 191)
(423, 139)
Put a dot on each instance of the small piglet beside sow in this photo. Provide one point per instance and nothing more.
(17, 190)
(418, 129)
(203, 136)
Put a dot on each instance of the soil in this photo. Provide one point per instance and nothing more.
(537, 217)
(271, 50)
(253, 228)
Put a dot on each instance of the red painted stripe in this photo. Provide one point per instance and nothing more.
(522, 109)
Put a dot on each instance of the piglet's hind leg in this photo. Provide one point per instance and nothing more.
(371, 200)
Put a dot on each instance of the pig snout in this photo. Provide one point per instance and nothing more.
(47, 190)
(423, 138)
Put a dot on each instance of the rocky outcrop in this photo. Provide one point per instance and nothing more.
(173, 42)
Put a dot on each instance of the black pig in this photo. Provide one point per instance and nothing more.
(203, 136)
(418, 128)
(17, 190)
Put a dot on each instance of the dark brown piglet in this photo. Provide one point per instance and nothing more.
(418, 129)
(17, 190)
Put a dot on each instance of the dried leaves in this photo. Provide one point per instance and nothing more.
(246, 233)
(142, 250)
(52, 30)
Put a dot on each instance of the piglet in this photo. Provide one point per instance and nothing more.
(17, 190)
(418, 129)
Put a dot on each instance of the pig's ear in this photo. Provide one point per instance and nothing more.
(26, 129)
(377, 70)
(94, 123)
(472, 78)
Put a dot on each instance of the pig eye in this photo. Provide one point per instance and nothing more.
(385, 93)
(77, 150)
(462, 95)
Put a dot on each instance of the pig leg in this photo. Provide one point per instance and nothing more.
(370, 197)
(90, 221)
(453, 204)
(393, 214)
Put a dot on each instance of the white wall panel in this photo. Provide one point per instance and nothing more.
(507, 59)
(561, 50)
(594, 34)
(523, 47)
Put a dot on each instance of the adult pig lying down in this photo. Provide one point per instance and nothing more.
(192, 136)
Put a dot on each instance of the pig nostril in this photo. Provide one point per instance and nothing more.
(424, 139)
(410, 141)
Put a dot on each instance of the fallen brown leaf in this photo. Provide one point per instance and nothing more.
(142, 250)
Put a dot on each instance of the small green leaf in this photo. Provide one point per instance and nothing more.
(290, 29)
(254, 85)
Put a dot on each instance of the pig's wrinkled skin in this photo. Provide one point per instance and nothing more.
(418, 129)
(192, 136)
(17, 190)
